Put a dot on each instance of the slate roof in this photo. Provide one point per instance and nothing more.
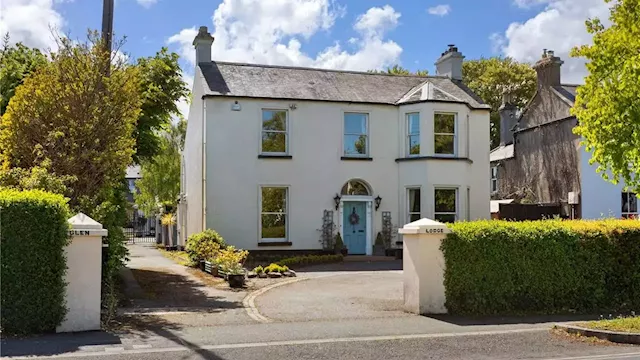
(281, 82)
(567, 92)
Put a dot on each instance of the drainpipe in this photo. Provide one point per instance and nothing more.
(204, 164)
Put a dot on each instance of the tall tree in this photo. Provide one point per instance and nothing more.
(160, 180)
(162, 87)
(75, 121)
(608, 105)
(490, 77)
(16, 63)
(399, 70)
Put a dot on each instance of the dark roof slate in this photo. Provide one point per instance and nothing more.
(280, 82)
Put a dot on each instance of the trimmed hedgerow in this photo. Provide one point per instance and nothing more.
(550, 266)
(310, 260)
(33, 234)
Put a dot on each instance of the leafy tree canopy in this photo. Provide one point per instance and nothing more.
(73, 121)
(162, 87)
(16, 62)
(160, 182)
(608, 105)
(490, 77)
(399, 70)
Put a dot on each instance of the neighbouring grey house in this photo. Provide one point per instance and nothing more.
(540, 160)
(132, 175)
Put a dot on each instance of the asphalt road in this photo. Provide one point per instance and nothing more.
(517, 345)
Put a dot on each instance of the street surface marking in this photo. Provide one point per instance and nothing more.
(249, 301)
(311, 342)
(635, 355)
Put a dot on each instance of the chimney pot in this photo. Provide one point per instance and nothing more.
(202, 43)
(450, 63)
(548, 69)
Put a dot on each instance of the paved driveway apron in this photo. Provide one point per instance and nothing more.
(336, 295)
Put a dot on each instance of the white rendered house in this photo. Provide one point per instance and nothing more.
(270, 148)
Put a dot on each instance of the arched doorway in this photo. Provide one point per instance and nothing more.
(355, 216)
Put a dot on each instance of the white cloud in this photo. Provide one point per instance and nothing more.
(30, 22)
(147, 3)
(526, 4)
(559, 26)
(272, 32)
(439, 10)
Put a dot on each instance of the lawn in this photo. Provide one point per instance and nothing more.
(627, 324)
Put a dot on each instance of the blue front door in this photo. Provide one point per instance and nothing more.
(354, 226)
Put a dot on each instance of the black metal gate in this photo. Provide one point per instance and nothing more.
(140, 229)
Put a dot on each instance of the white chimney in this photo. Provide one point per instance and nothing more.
(202, 43)
(450, 63)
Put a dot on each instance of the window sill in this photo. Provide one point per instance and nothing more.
(274, 156)
(276, 243)
(419, 158)
(355, 158)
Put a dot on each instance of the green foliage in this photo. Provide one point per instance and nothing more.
(204, 245)
(550, 266)
(258, 269)
(399, 70)
(160, 182)
(607, 105)
(36, 178)
(79, 124)
(339, 244)
(231, 260)
(16, 63)
(379, 240)
(33, 234)
(490, 77)
(162, 87)
(276, 268)
(310, 260)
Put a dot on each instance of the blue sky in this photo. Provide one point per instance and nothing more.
(421, 35)
(338, 34)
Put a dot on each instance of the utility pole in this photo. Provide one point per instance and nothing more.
(107, 28)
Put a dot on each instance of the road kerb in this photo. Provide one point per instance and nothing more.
(249, 301)
(613, 336)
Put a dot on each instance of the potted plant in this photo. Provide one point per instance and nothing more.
(379, 248)
(230, 261)
(340, 248)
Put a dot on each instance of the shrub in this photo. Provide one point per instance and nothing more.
(258, 270)
(33, 234)
(168, 219)
(310, 259)
(231, 260)
(274, 268)
(339, 244)
(204, 245)
(551, 266)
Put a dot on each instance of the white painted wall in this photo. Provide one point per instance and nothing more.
(191, 168)
(600, 198)
(316, 173)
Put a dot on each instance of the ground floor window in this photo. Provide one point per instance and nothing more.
(446, 204)
(273, 213)
(629, 205)
(413, 203)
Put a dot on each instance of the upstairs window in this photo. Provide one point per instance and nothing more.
(494, 179)
(413, 134)
(356, 137)
(274, 132)
(444, 130)
(629, 205)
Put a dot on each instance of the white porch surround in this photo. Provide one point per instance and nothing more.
(369, 201)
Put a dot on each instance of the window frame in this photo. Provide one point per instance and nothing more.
(456, 213)
(286, 214)
(494, 179)
(409, 134)
(628, 214)
(454, 134)
(286, 132)
(408, 205)
(366, 134)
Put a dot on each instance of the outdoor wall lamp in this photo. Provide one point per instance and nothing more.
(336, 200)
(378, 200)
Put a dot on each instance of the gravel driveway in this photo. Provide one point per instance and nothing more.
(336, 296)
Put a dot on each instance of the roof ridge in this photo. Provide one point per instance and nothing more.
(576, 85)
(328, 70)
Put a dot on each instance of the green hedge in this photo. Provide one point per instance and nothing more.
(551, 266)
(33, 234)
(310, 260)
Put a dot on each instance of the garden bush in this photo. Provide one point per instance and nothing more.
(310, 260)
(204, 245)
(33, 234)
(550, 266)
